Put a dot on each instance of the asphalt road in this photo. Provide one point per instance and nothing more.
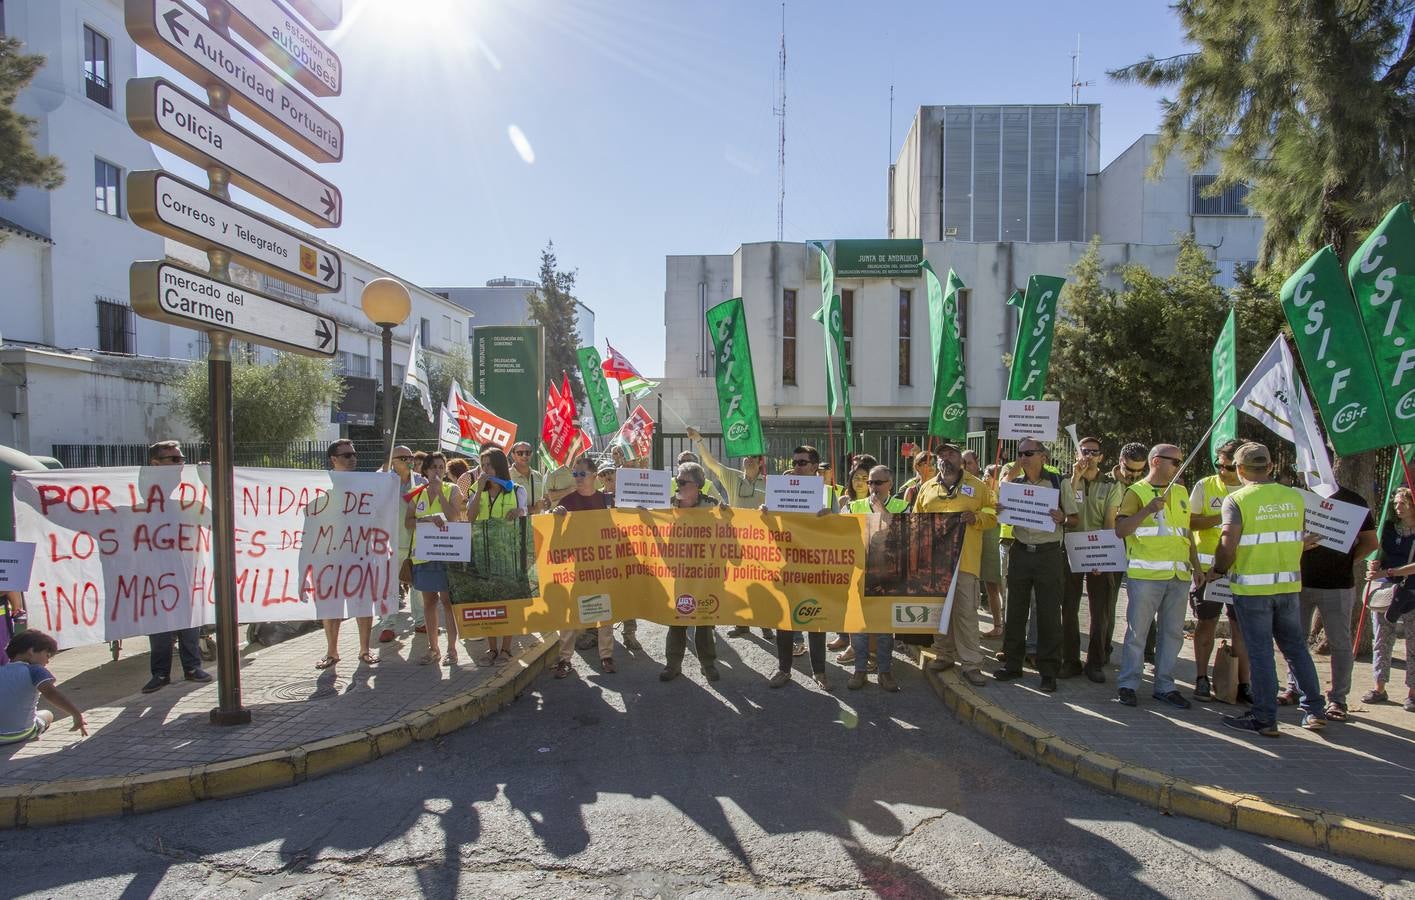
(620, 786)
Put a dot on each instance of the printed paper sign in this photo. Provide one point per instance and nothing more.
(1096, 551)
(595, 608)
(1035, 419)
(1219, 591)
(642, 488)
(436, 545)
(16, 561)
(1336, 522)
(1028, 505)
(795, 493)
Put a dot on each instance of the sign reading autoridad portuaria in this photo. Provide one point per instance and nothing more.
(184, 212)
(178, 295)
(275, 31)
(174, 33)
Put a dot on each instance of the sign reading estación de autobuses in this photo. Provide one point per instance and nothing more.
(727, 566)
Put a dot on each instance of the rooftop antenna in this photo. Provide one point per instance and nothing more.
(780, 112)
(1076, 82)
(889, 151)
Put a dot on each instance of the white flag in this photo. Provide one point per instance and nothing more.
(417, 377)
(1273, 394)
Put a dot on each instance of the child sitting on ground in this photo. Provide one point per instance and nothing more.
(23, 680)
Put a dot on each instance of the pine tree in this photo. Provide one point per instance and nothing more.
(554, 308)
(20, 165)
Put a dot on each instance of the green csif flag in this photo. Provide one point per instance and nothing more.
(1225, 373)
(1327, 328)
(948, 415)
(1032, 353)
(829, 315)
(1383, 278)
(736, 383)
(606, 420)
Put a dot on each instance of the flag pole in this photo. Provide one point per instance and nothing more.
(397, 416)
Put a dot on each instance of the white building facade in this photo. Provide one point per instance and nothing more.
(502, 301)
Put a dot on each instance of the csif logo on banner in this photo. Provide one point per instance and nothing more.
(917, 614)
(806, 611)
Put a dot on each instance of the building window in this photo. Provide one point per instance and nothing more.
(115, 326)
(202, 346)
(906, 328)
(107, 188)
(359, 365)
(287, 291)
(447, 328)
(788, 337)
(398, 372)
(1232, 202)
(96, 82)
(847, 327)
(425, 332)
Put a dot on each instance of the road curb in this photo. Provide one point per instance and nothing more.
(1388, 843)
(62, 802)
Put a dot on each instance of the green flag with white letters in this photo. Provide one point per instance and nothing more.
(736, 384)
(829, 315)
(1032, 351)
(1332, 343)
(606, 418)
(948, 415)
(1382, 277)
(1225, 373)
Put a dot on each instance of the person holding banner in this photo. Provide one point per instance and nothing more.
(690, 479)
(497, 499)
(1205, 507)
(439, 502)
(169, 453)
(1260, 550)
(343, 458)
(1097, 496)
(529, 480)
(745, 487)
(954, 491)
(585, 497)
(805, 460)
(1395, 567)
(408, 480)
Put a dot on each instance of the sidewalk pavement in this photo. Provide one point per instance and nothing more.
(292, 704)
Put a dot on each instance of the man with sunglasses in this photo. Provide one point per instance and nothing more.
(805, 460)
(1205, 514)
(343, 458)
(1154, 521)
(1097, 496)
(1035, 571)
(522, 473)
(585, 497)
(169, 453)
(407, 481)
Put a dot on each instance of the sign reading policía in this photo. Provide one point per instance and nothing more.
(164, 114)
(281, 36)
(184, 212)
(175, 34)
(181, 296)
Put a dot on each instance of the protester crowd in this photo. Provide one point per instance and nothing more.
(1233, 547)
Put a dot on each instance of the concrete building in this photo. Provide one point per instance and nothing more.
(76, 364)
(502, 301)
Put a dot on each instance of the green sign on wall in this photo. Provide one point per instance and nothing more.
(508, 375)
(878, 259)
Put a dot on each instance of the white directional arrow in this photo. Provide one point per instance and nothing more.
(184, 212)
(177, 295)
(278, 33)
(175, 34)
(322, 14)
(175, 120)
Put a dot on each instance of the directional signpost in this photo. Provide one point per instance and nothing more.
(184, 212)
(159, 111)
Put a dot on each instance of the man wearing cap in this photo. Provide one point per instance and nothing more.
(1260, 550)
(1098, 497)
(1154, 521)
(953, 490)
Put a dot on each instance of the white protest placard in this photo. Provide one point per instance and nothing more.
(795, 493)
(16, 562)
(1096, 551)
(436, 545)
(1037, 419)
(1219, 591)
(1336, 522)
(1028, 505)
(126, 551)
(642, 488)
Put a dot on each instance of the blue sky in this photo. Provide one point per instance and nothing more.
(627, 130)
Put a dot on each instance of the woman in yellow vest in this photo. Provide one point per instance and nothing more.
(493, 508)
(438, 501)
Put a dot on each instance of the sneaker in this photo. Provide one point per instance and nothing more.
(1314, 721)
(668, 674)
(975, 678)
(821, 681)
(847, 657)
(385, 636)
(1245, 695)
(1048, 684)
(1174, 699)
(887, 682)
(201, 676)
(857, 681)
(1070, 669)
(738, 631)
(562, 668)
(1375, 697)
(1126, 696)
(156, 684)
(1096, 674)
(940, 665)
(421, 629)
(1246, 722)
(768, 634)
(799, 649)
(710, 673)
(780, 679)
(607, 666)
(1202, 689)
(1006, 674)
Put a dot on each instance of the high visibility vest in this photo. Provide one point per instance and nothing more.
(1206, 539)
(892, 505)
(424, 505)
(1269, 559)
(1159, 548)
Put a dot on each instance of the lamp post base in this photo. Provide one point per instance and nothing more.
(238, 716)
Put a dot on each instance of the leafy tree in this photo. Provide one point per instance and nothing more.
(1134, 364)
(1308, 103)
(276, 403)
(553, 307)
(20, 165)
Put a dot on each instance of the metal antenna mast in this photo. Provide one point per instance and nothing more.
(1076, 82)
(780, 112)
